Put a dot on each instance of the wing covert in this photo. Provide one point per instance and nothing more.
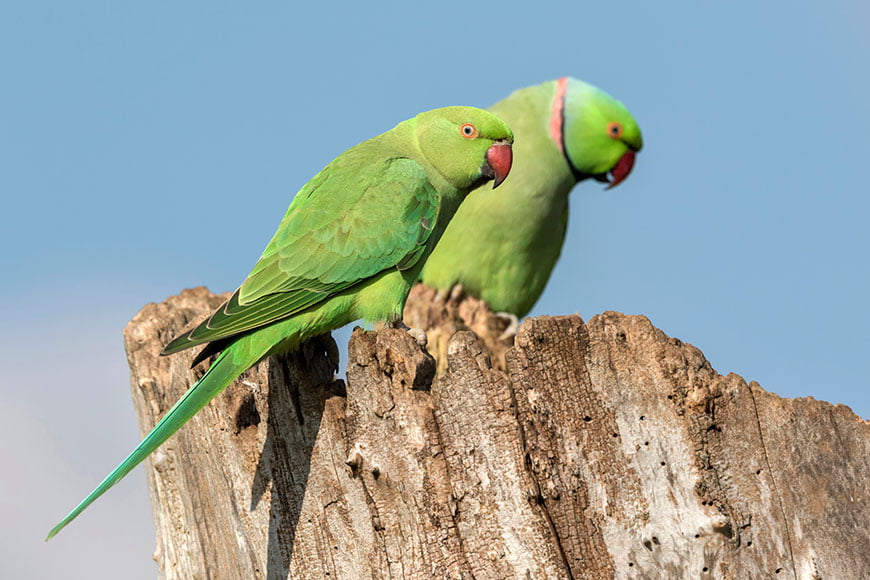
(343, 227)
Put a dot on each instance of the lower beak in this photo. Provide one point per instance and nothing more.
(498, 162)
(622, 168)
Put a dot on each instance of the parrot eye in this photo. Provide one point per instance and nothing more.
(614, 129)
(468, 131)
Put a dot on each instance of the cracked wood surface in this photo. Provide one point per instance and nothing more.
(593, 450)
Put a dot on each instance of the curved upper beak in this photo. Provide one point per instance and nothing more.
(621, 170)
(499, 159)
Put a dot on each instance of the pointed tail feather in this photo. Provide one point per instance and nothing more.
(219, 375)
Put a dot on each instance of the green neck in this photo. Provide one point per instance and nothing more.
(404, 142)
(540, 168)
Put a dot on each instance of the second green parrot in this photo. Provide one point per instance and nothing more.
(503, 249)
(350, 246)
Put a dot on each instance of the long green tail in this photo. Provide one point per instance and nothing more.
(221, 373)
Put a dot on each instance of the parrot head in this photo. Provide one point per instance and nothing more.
(599, 136)
(466, 145)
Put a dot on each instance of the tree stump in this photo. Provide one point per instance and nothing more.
(588, 450)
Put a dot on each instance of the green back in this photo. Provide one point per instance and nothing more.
(381, 205)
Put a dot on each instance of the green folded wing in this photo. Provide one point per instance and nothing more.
(379, 216)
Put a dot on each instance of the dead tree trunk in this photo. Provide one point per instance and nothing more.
(598, 450)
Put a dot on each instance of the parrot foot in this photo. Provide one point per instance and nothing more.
(453, 294)
(418, 334)
(255, 388)
(513, 325)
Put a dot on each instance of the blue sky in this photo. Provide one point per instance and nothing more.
(149, 148)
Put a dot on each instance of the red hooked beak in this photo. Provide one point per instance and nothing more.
(621, 170)
(499, 158)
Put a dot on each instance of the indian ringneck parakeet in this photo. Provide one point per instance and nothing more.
(502, 250)
(350, 246)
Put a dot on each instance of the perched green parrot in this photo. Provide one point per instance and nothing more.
(350, 246)
(503, 249)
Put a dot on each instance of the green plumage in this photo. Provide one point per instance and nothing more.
(502, 248)
(350, 246)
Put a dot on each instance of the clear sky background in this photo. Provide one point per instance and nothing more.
(150, 147)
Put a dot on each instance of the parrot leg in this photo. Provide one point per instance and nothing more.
(512, 324)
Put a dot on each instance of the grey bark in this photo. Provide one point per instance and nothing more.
(586, 450)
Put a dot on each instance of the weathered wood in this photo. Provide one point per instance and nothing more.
(596, 450)
(442, 315)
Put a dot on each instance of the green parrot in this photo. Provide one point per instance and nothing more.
(350, 246)
(503, 250)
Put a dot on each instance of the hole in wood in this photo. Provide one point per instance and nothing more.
(247, 414)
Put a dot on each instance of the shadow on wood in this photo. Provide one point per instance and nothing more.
(588, 450)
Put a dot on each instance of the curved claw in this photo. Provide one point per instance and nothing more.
(513, 325)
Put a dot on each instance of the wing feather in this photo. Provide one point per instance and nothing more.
(349, 223)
